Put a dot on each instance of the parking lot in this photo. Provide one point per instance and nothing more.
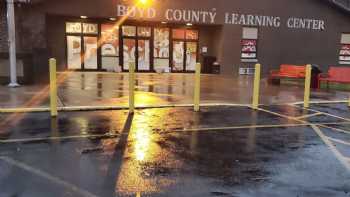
(226, 150)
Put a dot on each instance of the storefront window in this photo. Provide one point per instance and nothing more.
(161, 43)
(110, 47)
(191, 34)
(344, 54)
(161, 48)
(74, 52)
(144, 31)
(249, 44)
(129, 31)
(81, 45)
(179, 34)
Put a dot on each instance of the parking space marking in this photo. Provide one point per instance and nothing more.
(59, 138)
(308, 116)
(319, 102)
(283, 116)
(239, 127)
(339, 141)
(47, 176)
(343, 160)
(333, 128)
(324, 113)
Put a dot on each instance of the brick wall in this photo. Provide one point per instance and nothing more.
(3, 29)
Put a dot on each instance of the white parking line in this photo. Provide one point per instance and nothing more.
(59, 138)
(343, 160)
(339, 141)
(319, 102)
(307, 116)
(239, 127)
(47, 176)
(335, 129)
(324, 113)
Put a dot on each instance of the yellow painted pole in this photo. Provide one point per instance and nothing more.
(53, 87)
(197, 87)
(307, 86)
(256, 90)
(131, 87)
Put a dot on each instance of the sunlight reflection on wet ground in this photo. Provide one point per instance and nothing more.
(151, 153)
(101, 89)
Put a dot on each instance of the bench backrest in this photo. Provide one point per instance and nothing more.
(340, 73)
(292, 70)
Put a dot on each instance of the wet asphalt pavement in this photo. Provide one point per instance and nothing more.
(220, 151)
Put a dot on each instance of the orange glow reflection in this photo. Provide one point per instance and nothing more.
(141, 144)
(144, 156)
(42, 95)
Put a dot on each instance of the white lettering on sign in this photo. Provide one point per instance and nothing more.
(209, 17)
(136, 12)
(302, 23)
(252, 20)
(190, 16)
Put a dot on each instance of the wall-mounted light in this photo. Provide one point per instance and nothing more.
(83, 17)
(189, 24)
(144, 3)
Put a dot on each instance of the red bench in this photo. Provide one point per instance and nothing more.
(336, 75)
(287, 71)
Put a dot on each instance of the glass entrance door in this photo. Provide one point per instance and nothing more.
(185, 49)
(129, 52)
(178, 56)
(191, 56)
(144, 55)
(90, 52)
(74, 52)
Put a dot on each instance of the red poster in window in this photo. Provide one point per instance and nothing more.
(178, 33)
(248, 42)
(345, 47)
(248, 48)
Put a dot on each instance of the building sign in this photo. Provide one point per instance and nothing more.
(274, 21)
(211, 17)
(192, 16)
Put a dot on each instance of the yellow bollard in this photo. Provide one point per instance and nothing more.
(307, 86)
(197, 87)
(256, 90)
(53, 88)
(131, 87)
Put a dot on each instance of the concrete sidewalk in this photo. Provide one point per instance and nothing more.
(111, 89)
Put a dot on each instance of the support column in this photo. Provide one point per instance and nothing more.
(12, 42)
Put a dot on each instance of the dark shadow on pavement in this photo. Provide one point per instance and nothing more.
(116, 161)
